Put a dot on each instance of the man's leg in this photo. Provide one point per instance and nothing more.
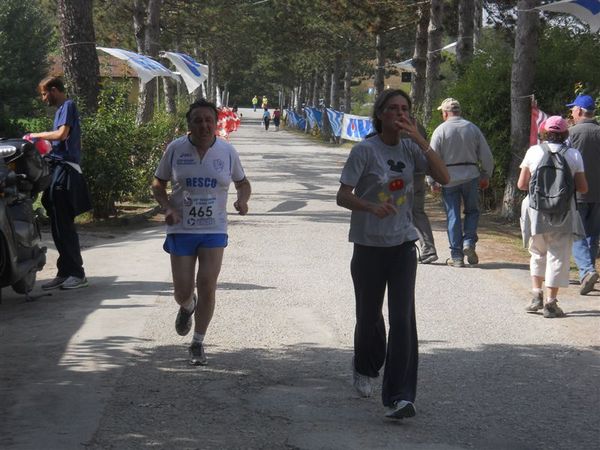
(470, 192)
(65, 237)
(209, 267)
(451, 197)
(421, 220)
(182, 268)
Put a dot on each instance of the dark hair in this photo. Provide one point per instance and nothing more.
(554, 137)
(380, 104)
(202, 103)
(51, 82)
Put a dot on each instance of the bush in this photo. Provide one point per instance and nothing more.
(119, 158)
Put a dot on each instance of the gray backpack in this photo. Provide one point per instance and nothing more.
(552, 186)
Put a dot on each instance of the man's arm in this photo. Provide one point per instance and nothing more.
(57, 135)
(244, 190)
(159, 190)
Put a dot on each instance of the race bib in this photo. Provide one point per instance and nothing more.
(199, 211)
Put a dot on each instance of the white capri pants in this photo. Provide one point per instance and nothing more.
(551, 257)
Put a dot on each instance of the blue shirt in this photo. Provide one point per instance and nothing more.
(70, 148)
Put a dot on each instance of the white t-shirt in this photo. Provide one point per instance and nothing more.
(383, 173)
(199, 187)
(534, 155)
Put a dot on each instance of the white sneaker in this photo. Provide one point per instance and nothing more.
(74, 283)
(362, 383)
(401, 409)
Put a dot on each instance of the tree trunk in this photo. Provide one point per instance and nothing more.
(170, 91)
(78, 44)
(335, 82)
(434, 57)
(316, 88)
(326, 92)
(348, 84)
(521, 87)
(379, 64)
(419, 61)
(477, 22)
(146, 22)
(464, 45)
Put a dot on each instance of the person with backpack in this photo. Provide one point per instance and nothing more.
(551, 173)
(266, 119)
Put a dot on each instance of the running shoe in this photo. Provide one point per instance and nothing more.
(588, 282)
(471, 255)
(362, 383)
(74, 283)
(183, 322)
(197, 355)
(455, 262)
(428, 259)
(537, 303)
(401, 409)
(552, 310)
(54, 283)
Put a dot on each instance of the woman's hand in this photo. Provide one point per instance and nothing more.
(383, 210)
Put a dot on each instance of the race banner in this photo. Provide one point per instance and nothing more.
(537, 118)
(355, 128)
(193, 73)
(296, 120)
(335, 120)
(314, 117)
(145, 67)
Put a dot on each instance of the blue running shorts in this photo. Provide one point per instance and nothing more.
(184, 244)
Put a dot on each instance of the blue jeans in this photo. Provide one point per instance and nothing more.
(585, 250)
(468, 192)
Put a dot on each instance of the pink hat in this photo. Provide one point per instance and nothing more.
(556, 124)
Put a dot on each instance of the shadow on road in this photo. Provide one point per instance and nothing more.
(300, 396)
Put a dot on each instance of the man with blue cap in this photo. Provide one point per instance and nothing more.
(585, 136)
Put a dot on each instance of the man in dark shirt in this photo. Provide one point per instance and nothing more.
(585, 136)
(59, 198)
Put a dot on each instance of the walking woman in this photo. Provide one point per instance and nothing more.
(377, 185)
(549, 237)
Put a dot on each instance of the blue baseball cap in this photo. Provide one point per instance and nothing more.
(584, 101)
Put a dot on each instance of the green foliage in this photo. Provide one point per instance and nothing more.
(24, 41)
(118, 157)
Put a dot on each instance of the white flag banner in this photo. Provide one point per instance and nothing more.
(587, 11)
(145, 67)
(356, 128)
(192, 72)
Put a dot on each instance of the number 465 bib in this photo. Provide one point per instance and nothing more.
(199, 211)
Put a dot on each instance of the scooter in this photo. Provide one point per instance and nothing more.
(24, 173)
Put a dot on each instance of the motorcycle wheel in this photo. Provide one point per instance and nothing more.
(25, 285)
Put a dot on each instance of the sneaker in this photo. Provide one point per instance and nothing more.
(428, 259)
(455, 262)
(362, 383)
(55, 283)
(471, 255)
(552, 310)
(588, 282)
(74, 283)
(183, 322)
(536, 304)
(401, 409)
(197, 355)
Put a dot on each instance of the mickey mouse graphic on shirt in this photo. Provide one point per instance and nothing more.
(394, 185)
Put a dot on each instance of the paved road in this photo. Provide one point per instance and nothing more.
(102, 368)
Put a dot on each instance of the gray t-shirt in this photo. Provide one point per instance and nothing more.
(199, 186)
(382, 173)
